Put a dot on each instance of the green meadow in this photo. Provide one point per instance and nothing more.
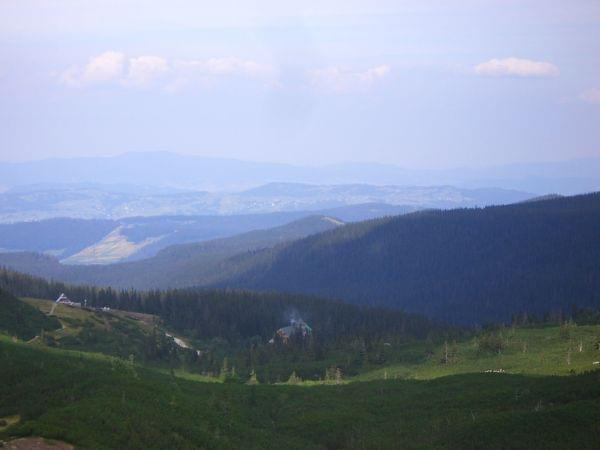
(104, 402)
(507, 387)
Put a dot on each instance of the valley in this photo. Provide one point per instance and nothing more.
(534, 256)
(99, 241)
(328, 225)
(485, 391)
(204, 361)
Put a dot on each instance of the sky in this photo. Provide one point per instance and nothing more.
(419, 84)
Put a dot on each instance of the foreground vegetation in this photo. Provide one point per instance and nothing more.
(364, 378)
(22, 320)
(548, 349)
(107, 403)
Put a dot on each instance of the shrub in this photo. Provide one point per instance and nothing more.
(491, 343)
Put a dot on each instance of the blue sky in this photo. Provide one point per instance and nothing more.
(415, 83)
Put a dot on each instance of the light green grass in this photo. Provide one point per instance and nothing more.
(542, 350)
(552, 350)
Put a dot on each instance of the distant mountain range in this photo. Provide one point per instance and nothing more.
(177, 265)
(462, 266)
(99, 241)
(171, 171)
(107, 202)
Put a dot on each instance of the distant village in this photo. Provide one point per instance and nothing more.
(64, 300)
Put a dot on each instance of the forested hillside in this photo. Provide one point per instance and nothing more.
(238, 325)
(465, 265)
(461, 266)
(56, 236)
(184, 265)
(234, 314)
(90, 241)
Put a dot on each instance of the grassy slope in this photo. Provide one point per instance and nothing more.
(95, 403)
(535, 351)
(98, 401)
(117, 333)
(21, 320)
(549, 350)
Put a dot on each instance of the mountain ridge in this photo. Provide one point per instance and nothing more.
(209, 173)
(468, 265)
(174, 266)
(106, 203)
(463, 265)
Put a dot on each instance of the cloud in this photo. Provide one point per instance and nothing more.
(107, 66)
(146, 70)
(516, 67)
(591, 96)
(113, 67)
(339, 80)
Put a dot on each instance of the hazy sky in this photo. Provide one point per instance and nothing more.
(416, 83)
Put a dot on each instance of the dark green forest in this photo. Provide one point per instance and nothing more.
(69, 235)
(460, 266)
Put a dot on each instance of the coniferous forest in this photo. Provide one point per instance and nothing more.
(460, 266)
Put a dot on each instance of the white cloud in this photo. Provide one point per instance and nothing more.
(339, 80)
(155, 71)
(105, 67)
(146, 70)
(591, 96)
(516, 67)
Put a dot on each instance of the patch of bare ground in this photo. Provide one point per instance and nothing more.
(35, 443)
(148, 319)
(7, 421)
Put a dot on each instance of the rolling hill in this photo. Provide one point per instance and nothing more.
(22, 320)
(461, 266)
(464, 265)
(175, 266)
(99, 241)
(108, 371)
(170, 170)
(114, 203)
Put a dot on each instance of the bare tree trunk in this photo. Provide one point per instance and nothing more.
(445, 352)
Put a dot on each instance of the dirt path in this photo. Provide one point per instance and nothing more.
(36, 443)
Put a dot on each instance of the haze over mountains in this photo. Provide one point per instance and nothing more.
(109, 203)
(169, 170)
(183, 265)
(463, 265)
(395, 245)
(99, 241)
